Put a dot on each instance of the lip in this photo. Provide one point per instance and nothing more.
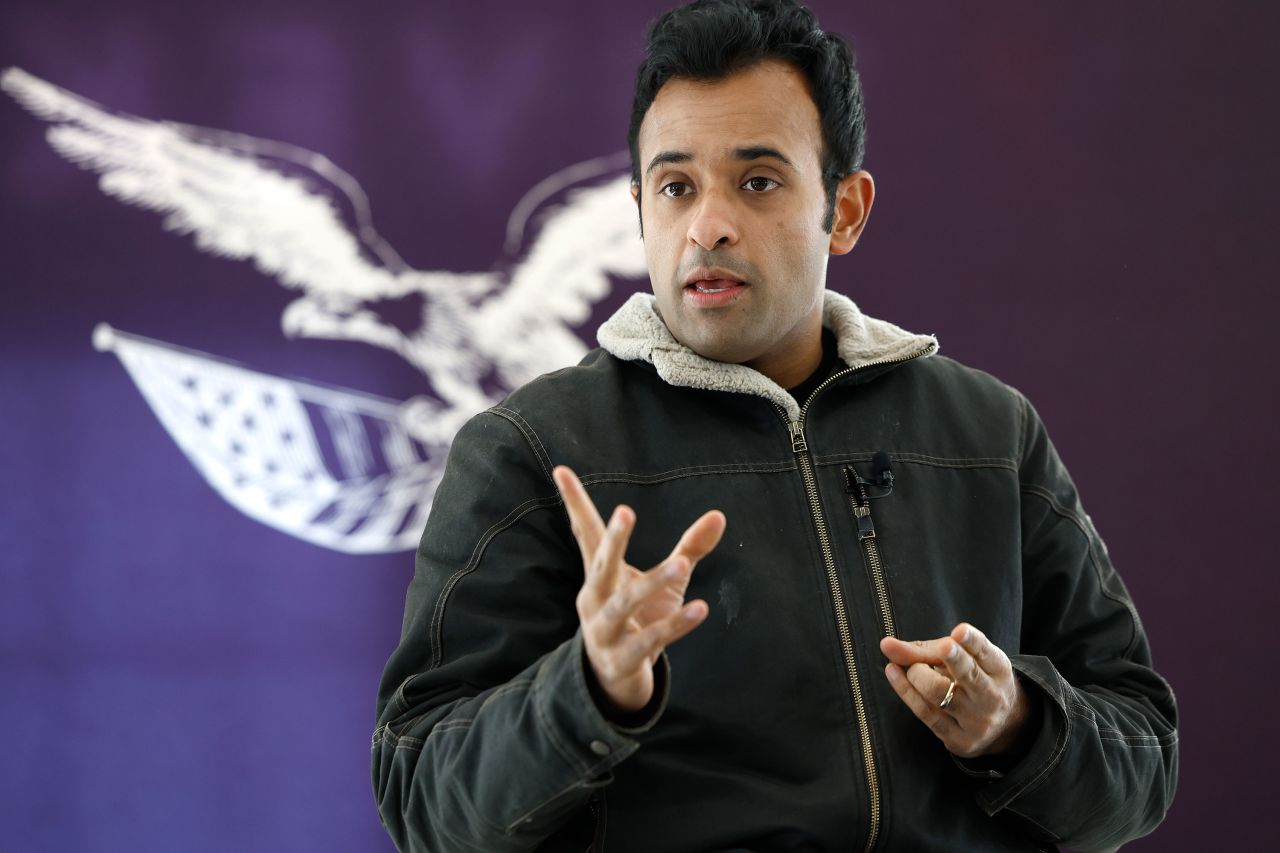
(718, 292)
(722, 288)
(711, 274)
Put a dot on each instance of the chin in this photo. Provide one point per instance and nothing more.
(727, 351)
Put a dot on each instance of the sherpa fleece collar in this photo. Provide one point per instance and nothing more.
(637, 333)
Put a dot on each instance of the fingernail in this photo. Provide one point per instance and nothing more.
(953, 651)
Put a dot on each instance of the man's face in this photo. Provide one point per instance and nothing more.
(733, 204)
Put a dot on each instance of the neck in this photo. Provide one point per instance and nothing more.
(793, 363)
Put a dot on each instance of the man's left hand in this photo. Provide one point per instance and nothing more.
(989, 711)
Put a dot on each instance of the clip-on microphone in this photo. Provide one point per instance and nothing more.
(882, 476)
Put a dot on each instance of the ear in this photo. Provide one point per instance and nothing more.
(854, 196)
(635, 196)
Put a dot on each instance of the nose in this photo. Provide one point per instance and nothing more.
(713, 222)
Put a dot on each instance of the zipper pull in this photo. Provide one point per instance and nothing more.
(866, 528)
(861, 505)
(798, 444)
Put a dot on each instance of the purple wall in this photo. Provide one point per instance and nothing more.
(1079, 198)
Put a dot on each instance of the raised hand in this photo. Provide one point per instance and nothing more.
(988, 710)
(629, 616)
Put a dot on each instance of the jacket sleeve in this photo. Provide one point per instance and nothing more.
(487, 737)
(1103, 767)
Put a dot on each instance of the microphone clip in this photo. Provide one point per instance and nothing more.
(881, 483)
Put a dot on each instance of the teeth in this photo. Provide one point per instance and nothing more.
(702, 288)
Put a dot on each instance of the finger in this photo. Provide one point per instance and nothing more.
(701, 537)
(584, 520)
(622, 605)
(927, 682)
(938, 721)
(978, 688)
(648, 643)
(604, 569)
(957, 663)
(987, 654)
(904, 654)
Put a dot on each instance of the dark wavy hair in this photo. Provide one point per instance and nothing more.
(711, 39)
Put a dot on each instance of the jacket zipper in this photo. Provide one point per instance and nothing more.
(861, 505)
(600, 811)
(800, 447)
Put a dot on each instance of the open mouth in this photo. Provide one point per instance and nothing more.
(715, 285)
(713, 292)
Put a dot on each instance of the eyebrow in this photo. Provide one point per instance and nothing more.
(753, 152)
(668, 157)
(757, 152)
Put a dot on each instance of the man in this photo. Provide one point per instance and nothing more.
(847, 487)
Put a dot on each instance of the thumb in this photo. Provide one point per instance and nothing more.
(904, 653)
(701, 537)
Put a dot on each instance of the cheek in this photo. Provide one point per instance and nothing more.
(796, 261)
(661, 270)
(788, 248)
(657, 238)
(652, 250)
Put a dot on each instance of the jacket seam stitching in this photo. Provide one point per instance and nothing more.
(921, 459)
(1059, 748)
(412, 743)
(398, 703)
(1128, 744)
(437, 618)
(1047, 496)
(530, 435)
(682, 473)
(564, 751)
(1114, 735)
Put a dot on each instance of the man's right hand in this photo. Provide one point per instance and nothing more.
(628, 616)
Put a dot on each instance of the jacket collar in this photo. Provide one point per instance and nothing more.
(637, 333)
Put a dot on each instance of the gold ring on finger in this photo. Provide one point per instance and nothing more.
(951, 694)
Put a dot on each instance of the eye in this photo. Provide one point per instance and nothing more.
(675, 189)
(760, 184)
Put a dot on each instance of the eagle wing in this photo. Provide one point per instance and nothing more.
(239, 197)
(573, 234)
